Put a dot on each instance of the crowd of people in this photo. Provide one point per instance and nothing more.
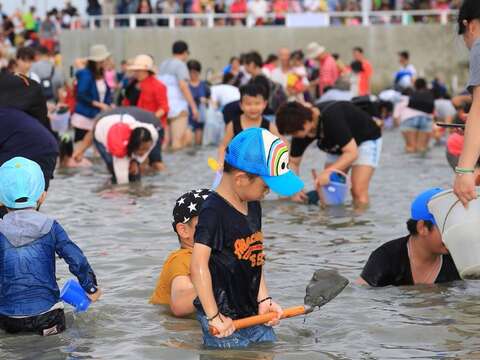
(262, 115)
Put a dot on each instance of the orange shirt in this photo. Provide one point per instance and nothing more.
(177, 264)
(364, 78)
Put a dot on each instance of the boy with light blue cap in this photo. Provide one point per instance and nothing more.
(228, 255)
(29, 241)
(419, 258)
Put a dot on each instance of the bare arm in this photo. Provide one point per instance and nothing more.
(360, 281)
(223, 145)
(182, 296)
(202, 281)
(348, 157)
(464, 186)
(267, 305)
(185, 89)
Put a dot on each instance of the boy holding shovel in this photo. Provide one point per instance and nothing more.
(227, 260)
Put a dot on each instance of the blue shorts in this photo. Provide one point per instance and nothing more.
(368, 154)
(417, 123)
(239, 339)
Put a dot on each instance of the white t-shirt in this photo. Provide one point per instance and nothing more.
(280, 77)
(102, 89)
(121, 165)
(224, 94)
(171, 72)
(258, 8)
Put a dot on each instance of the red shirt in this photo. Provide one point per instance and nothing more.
(328, 72)
(153, 97)
(280, 7)
(238, 7)
(364, 79)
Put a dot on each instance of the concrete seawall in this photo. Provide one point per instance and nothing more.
(434, 48)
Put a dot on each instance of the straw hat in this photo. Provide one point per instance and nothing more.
(143, 62)
(98, 52)
(314, 50)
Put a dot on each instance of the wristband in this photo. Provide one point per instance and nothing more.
(214, 316)
(459, 170)
(263, 300)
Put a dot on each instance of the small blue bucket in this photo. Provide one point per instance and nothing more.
(336, 191)
(72, 293)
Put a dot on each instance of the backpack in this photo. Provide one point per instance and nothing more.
(47, 86)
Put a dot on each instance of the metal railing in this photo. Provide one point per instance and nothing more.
(211, 20)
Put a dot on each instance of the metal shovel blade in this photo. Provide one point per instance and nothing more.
(323, 287)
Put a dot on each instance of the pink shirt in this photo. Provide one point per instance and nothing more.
(328, 73)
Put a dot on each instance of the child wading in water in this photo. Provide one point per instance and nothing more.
(227, 259)
(29, 240)
(253, 102)
(174, 286)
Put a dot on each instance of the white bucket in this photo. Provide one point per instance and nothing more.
(460, 229)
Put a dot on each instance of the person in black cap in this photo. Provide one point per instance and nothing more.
(174, 286)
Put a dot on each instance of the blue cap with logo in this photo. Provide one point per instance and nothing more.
(419, 209)
(21, 183)
(259, 152)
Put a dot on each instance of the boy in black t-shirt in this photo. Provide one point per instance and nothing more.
(419, 258)
(228, 255)
(349, 136)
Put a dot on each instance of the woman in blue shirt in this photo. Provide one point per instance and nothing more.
(93, 94)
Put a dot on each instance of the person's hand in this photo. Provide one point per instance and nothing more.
(300, 197)
(78, 155)
(103, 107)
(96, 295)
(322, 179)
(195, 114)
(223, 324)
(134, 168)
(270, 306)
(464, 188)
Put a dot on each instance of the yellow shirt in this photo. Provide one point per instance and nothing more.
(177, 264)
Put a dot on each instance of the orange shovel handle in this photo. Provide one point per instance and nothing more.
(263, 319)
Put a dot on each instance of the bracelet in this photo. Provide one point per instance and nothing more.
(459, 170)
(263, 300)
(214, 316)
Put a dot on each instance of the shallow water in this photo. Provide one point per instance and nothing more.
(126, 234)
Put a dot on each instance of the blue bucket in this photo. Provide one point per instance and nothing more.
(336, 191)
(72, 293)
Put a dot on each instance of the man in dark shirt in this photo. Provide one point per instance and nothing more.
(22, 93)
(22, 135)
(419, 258)
(349, 136)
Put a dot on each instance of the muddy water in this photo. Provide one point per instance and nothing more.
(126, 234)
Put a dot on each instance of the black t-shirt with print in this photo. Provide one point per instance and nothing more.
(340, 122)
(390, 265)
(237, 254)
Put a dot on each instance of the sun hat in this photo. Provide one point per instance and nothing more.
(118, 137)
(314, 50)
(21, 183)
(98, 52)
(419, 209)
(143, 62)
(188, 206)
(259, 152)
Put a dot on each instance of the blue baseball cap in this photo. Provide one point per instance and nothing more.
(259, 152)
(21, 183)
(419, 210)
